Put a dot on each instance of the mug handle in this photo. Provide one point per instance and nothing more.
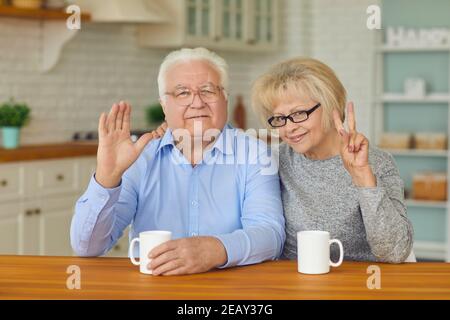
(130, 252)
(341, 256)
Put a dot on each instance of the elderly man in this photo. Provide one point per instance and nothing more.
(220, 206)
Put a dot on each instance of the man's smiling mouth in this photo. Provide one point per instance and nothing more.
(197, 117)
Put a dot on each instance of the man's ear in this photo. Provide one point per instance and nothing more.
(163, 105)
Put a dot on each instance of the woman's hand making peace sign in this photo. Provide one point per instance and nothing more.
(354, 150)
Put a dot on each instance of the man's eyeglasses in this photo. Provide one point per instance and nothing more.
(296, 117)
(185, 97)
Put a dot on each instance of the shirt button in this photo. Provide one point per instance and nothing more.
(193, 234)
(194, 203)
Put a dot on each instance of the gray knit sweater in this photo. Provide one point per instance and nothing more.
(370, 222)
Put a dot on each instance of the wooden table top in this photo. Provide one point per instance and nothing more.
(30, 277)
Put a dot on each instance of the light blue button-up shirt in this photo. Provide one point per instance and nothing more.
(234, 195)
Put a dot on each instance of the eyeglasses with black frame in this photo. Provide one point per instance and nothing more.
(296, 117)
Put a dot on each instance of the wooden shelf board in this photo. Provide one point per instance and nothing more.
(426, 203)
(417, 152)
(432, 98)
(387, 48)
(37, 14)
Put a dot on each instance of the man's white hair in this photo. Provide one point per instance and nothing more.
(187, 54)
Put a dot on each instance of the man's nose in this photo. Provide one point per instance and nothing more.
(197, 102)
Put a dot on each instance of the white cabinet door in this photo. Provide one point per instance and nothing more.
(200, 19)
(263, 23)
(54, 226)
(9, 229)
(11, 181)
(29, 229)
(231, 17)
(45, 226)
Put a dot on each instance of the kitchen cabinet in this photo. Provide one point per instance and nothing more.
(37, 200)
(239, 25)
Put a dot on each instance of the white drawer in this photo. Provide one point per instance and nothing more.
(52, 177)
(11, 181)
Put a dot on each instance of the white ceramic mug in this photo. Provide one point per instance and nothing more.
(147, 241)
(313, 252)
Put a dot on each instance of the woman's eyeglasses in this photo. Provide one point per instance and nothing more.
(296, 117)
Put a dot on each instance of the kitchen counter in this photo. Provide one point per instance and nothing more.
(49, 151)
(40, 277)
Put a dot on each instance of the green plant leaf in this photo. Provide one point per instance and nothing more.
(154, 114)
(14, 114)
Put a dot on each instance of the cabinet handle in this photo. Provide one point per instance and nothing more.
(28, 212)
(37, 211)
(4, 183)
(60, 177)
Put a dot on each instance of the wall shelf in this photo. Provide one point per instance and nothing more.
(426, 204)
(418, 152)
(401, 98)
(388, 48)
(37, 14)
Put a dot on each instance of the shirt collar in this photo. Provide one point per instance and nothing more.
(166, 140)
(224, 142)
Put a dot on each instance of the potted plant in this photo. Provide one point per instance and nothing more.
(13, 116)
(155, 114)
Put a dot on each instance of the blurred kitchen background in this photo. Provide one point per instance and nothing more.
(54, 83)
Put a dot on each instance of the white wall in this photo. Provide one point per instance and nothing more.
(342, 40)
(103, 65)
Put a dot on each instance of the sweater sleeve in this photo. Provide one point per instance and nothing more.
(388, 229)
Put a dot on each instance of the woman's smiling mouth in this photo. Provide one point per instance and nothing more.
(296, 138)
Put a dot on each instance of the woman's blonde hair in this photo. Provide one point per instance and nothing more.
(295, 77)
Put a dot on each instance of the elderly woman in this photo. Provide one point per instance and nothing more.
(331, 179)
